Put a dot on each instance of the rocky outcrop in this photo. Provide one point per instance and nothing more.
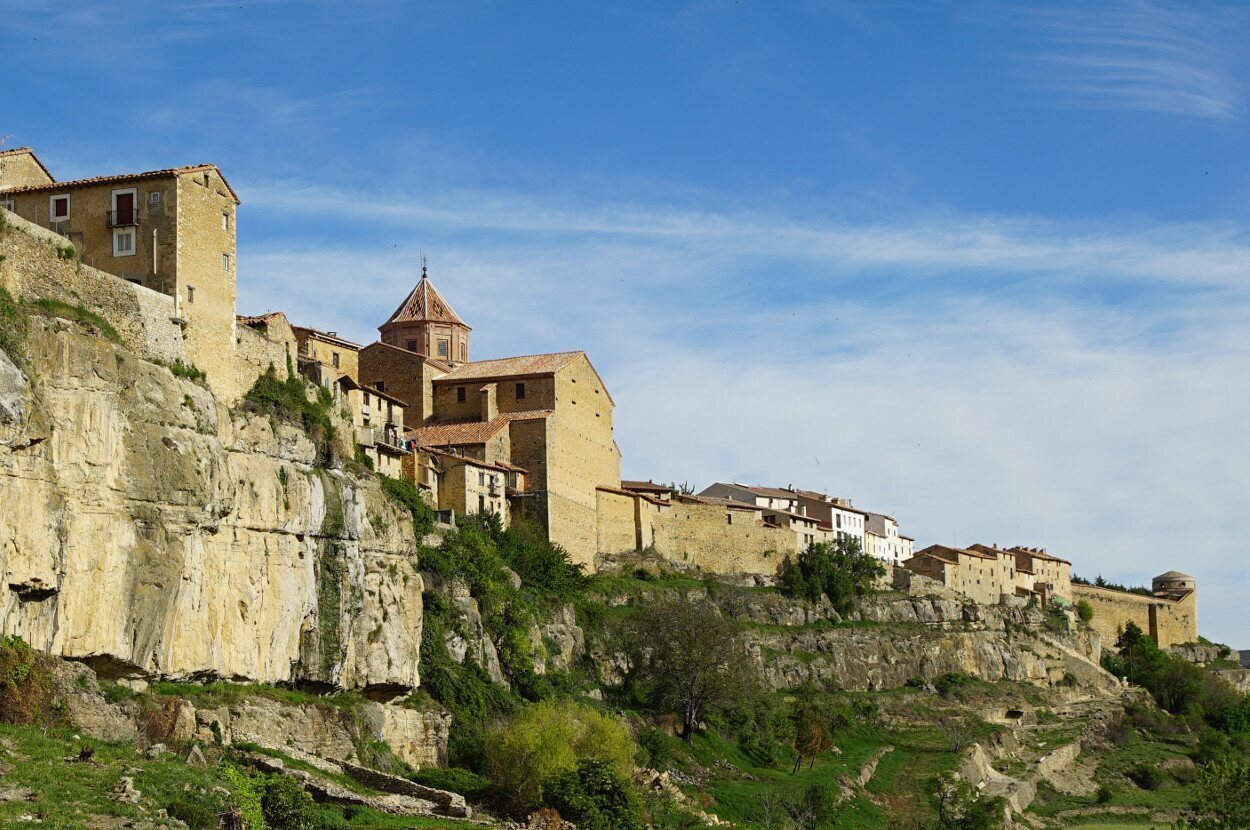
(148, 531)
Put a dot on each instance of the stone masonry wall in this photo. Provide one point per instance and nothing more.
(699, 537)
(32, 270)
(1168, 622)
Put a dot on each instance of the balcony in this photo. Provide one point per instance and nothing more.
(378, 437)
(122, 218)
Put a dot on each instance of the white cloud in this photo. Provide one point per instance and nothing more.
(965, 373)
(1136, 54)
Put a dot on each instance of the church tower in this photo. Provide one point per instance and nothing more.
(424, 323)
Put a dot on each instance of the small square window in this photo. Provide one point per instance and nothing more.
(155, 197)
(60, 207)
(520, 391)
(442, 348)
(460, 394)
(411, 345)
(225, 262)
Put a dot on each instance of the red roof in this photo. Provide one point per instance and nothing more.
(462, 431)
(125, 177)
(424, 304)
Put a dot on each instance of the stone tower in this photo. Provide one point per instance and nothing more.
(1173, 582)
(426, 324)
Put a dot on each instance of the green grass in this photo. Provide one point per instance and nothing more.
(225, 694)
(78, 314)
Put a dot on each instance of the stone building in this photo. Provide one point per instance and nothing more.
(408, 375)
(324, 357)
(777, 498)
(978, 575)
(468, 485)
(882, 539)
(171, 231)
(378, 421)
(1169, 615)
(836, 515)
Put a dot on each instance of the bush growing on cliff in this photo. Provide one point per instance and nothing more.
(25, 684)
(12, 327)
(405, 493)
(595, 797)
(839, 570)
(1084, 610)
(288, 400)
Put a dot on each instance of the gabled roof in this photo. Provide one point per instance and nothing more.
(507, 367)
(26, 151)
(472, 462)
(424, 304)
(416, 356)
(645, 486)
(126, 177)
(767, 492)
(328, 336)
(461, 431)
(347, 383)
(951, 555)
(262, 319)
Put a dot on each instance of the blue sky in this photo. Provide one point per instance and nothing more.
(984, 266)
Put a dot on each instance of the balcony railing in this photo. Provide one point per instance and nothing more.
(372, 436)
(124, 218)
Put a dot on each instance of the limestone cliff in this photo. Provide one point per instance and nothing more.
(149, 531)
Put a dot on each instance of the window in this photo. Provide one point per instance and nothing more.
(225, 262)
(123, 242)
(58, 209)
(460, 394)
(190, 293)
(155, 197)
(729, 518)
(481, 478)
(411, 345)
(464, 351)
(225, 221)
(334, 360)
(520, 391)
(379, 385)
(7, 204)
(442, 347)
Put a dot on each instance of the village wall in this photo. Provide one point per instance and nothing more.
(1168, 622)
(616, 522)
(256, 352)
(31, 269)
(700, 537)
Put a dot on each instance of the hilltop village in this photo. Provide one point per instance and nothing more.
(529, 435)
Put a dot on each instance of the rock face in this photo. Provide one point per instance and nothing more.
(148, 531)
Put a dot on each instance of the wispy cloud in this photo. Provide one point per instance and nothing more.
(1139, 55)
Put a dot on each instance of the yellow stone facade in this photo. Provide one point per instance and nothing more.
(1169, 621)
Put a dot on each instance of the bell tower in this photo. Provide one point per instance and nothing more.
(426, 324)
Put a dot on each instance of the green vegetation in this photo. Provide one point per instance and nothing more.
(187, 370)
(839, 570)
(1178, 686)
(295, 401)
(25, 685)
(78, 314)
(551, 739)
(12, 327)
(1084, 610)
(405, 494)
(595, 796)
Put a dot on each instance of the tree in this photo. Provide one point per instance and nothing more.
(1084, 610)
(839, 570)
(595, 797)
(957, 806)
(1220, 796)
(685, 657)
(549, 739)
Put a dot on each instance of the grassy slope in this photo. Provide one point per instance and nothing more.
(73, 795)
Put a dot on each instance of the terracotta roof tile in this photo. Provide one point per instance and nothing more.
(328, 336)
(503, 367)
(126, 177)
(462, 431)
(645, 486)
(347, 383)
(424, 304)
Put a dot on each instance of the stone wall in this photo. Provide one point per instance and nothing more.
(616, 523)
(257, 351)
(31, 270)
(1168, 622)
(697, 536)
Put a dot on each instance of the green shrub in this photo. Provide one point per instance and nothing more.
(549, 739)
(950, 683)
(12, 327)
(197, 815)
(657, 747)
(405, 494)
(78, 314)
(187, 370)
(1084, 610)
(544, 567)
(26, 695)
(1146, 776)
(595, 797)
(289, 400)
(469, 784)
(1103, 796)
(246, 792)
(287, 807)
(839, 570)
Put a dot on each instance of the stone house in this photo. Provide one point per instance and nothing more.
(982, 577)
(775, 498)
(406, 374)
(264, 341)
(324, 357)
(378, 421)
(882, 539)
(170, 230)
(468, 485)
(837, 516)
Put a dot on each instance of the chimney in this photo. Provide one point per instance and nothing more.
(490, 402)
